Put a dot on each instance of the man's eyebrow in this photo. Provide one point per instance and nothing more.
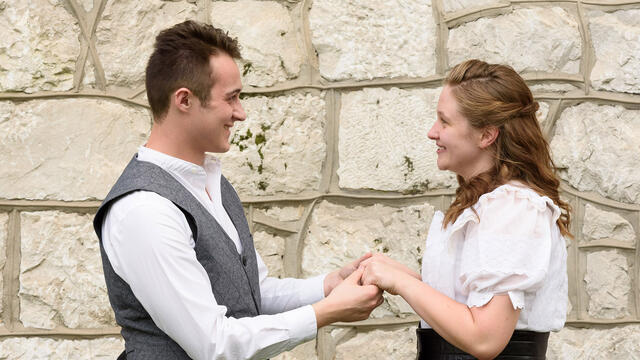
(234, 92)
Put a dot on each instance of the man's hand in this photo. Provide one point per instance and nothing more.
(349, 301)
(336, 277)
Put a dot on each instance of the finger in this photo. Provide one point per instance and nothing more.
(365, 262)
(355, 276)
(357, 262)
(363, 257)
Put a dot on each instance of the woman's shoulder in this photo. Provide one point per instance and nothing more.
(518, 194)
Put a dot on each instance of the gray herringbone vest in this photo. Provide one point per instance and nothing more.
(234, 277)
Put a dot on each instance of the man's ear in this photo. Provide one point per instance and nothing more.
(182, 99)
(489, 136)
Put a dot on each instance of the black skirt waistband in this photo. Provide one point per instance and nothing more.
(523, 345)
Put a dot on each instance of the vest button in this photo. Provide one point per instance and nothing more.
(244, 260)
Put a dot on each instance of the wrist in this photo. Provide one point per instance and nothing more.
(402, 283)
(323, 313)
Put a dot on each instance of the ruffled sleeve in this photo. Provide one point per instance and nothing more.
(508, 250)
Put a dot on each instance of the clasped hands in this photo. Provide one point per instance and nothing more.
(355, 290)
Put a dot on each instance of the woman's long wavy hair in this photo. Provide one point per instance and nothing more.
(495, 95)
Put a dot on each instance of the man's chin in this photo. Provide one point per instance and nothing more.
(220, 149)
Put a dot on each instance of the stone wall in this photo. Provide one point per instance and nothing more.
(333, 159)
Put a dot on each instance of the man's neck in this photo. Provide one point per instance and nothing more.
(169, 142)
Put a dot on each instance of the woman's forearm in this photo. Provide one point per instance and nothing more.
(480, 332)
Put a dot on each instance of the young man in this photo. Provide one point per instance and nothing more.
(183, 277)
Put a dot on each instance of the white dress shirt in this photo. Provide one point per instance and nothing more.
(150, 246)
(513, 246)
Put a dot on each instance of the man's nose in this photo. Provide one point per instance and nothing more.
(238, 113)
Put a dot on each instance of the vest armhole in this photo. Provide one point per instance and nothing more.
(192, 223)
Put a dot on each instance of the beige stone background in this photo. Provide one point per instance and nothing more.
(333, 159)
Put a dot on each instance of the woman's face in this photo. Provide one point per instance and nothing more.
(459, 145)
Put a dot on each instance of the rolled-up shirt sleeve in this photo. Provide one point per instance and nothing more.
(150, 246)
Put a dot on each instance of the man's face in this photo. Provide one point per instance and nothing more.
(212, 122)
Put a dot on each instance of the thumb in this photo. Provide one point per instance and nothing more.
(355, 276)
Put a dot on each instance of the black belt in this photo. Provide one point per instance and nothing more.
(523, 345)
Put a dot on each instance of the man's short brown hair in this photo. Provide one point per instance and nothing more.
(181, 59)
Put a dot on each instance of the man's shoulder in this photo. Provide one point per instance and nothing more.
(142, 201)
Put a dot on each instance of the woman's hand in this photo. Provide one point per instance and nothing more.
(380, 258)
(385, 273)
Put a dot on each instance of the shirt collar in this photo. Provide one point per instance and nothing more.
(195, 175)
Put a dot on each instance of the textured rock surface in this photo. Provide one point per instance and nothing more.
(457, 5)
(552, 87)
(271, 250)
(621, 342)
(306, 351)
(597, 148)
(338, 234)
(271, 49)
(383, 142)
(4, 220)
(379, 344)
(616, 40)
(608, 284)
(123, 47)
(39, 348)
(599, 224)
(542, 112)
(61, 281)
(283, 213)
(365, 39)
(280, 148)
(67, 149)
(38, 47)
(538, 39)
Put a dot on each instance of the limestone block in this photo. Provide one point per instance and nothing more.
(4, 221)
(537, 39)
(339, 234)
(620, 342)
(280, 148)
(61, 280)
(89, 79)
(305, 351)
(126, 33)
(284, 213)
(271, 48)
(597, 149)
(379, 344)
(457, 5)
(87, 5)
(366, 39)
(552, 87)
(38, 47)
(271, 250)
(608, 284)
(542, 112)
(67, 149)
(383, 142)
(40, 348)
(616, 41)
(599, 224)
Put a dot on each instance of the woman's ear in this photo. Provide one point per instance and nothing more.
(489, 136)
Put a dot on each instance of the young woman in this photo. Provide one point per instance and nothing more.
(495, 262)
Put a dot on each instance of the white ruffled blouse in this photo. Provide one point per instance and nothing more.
(513, 247)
